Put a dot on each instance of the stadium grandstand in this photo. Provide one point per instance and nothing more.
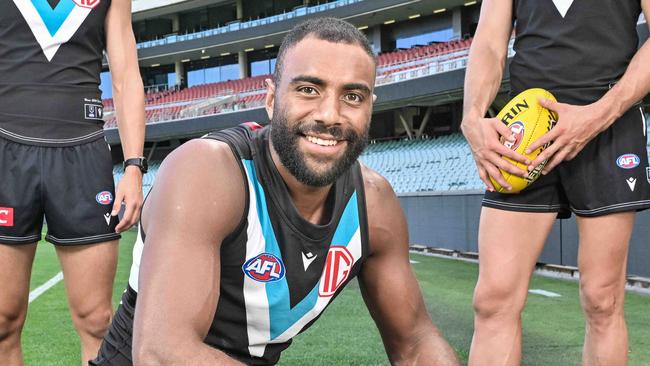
(204, 64)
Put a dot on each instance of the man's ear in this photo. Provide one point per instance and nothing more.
(270, 97)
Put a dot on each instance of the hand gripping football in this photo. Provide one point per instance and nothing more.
(528, 121)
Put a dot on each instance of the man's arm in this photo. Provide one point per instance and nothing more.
(487, 59)
(128, 95)
(198, 200)
(394, 300)
(577, 125)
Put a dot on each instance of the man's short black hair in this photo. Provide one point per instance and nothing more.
(327, 29)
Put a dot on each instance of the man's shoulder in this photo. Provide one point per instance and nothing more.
(373, 182)
(378, 190)
(196, 178)
(239, 138)
(200, 159)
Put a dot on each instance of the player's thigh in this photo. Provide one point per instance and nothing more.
(15, 271)
(89, 272)
(603, 250)
(509, 244)
(21, 211)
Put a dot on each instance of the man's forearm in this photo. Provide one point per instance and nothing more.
(427, 348)
(182, 353)
(633, 86)
(482, 79)
(129, 103)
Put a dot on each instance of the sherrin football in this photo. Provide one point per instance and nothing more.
(528, 121)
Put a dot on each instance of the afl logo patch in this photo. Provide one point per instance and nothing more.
(628, 161)
(264, 267)
(90, 4)
(337, 269)
(104, 198)
(517, 129)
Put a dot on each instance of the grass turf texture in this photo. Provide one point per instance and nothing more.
(346, 335)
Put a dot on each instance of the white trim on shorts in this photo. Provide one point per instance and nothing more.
(20, 238)
(618, 207)
(51, 141)
(531, 207)
(81, 240)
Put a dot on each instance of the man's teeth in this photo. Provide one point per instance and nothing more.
(319, 141)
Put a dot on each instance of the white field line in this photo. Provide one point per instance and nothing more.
(44, 287)
(544, 293)
(413, 262)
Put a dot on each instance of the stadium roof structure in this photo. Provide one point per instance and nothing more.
(144, 9)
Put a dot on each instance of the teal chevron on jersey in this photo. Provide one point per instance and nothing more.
(282, 315)
(53, 18)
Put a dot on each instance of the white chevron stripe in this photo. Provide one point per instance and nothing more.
(50, 44)
(563, 6)
(258, 318)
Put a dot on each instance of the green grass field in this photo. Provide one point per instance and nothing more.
(346, 335)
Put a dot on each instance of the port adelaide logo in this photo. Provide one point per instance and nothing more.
(89, 4)
(264, 267)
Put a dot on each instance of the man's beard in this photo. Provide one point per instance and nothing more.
(285, 141)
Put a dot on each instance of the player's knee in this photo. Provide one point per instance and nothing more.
(496, 301)
(600, 304)
(11, 325)
(93, 322)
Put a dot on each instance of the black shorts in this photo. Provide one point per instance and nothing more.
(72, 187)
(609, 175)
(115, 349)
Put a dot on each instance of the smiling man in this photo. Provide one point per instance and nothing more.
(251, 232)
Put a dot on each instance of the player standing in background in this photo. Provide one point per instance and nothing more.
(54, 161)
(585, 53)
(249, 234)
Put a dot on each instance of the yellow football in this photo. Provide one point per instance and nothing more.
(528, 121)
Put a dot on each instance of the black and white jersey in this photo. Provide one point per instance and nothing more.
(50, 61)
(278, 271)
(573, 48)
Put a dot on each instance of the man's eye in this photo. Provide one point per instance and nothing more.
(307, 90)
(355, 98)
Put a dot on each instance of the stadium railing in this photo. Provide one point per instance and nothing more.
(238, 25)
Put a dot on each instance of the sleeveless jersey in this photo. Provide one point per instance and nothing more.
(574, 48)
(50, 62)
(278, 271)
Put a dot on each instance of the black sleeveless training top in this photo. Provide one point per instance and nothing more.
(573, 48)
(278, 271)
(50, 61)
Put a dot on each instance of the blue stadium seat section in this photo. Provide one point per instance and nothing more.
(423, 165)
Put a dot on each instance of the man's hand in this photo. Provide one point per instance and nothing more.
(129, 192)
(483, 136)
(576, 126)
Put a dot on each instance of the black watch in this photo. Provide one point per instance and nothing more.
(140, 162)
